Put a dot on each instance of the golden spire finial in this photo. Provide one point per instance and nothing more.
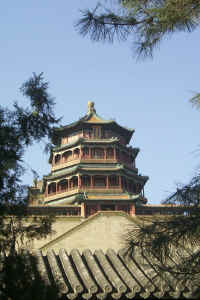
(91, 108)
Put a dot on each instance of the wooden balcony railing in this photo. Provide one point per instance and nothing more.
(92, 158)
(84, 187)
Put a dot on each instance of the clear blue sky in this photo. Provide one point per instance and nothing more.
(150, 96)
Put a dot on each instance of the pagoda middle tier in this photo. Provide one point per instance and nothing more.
(93, 166)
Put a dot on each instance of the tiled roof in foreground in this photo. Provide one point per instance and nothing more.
(110, 275)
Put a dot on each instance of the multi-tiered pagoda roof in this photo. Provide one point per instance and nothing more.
(92, 168)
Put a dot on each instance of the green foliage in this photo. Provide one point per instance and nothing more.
(162, 237)
(20, 128)
(172, 242)
(195, 100)
(147, 22)
(20, 280)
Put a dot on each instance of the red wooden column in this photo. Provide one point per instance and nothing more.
(120, 181)
(114, 151)
(105, 153)
(79, 181)
(91, 182)
(132, 209)
(83, 209)
(81, 153)
(107, 182)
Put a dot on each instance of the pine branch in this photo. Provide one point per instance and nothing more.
(171, 241)
(105, 27)
(146, 21)
(195, 100)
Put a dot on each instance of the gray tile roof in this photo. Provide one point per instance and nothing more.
(110, 275)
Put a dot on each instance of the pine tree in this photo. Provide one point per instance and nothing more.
(19, 128)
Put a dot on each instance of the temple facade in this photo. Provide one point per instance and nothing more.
(93, 169)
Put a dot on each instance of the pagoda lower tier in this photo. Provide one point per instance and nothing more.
(85, 189)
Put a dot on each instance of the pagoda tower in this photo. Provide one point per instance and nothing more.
(92, 169)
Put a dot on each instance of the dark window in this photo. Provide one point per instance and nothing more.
(108, 207)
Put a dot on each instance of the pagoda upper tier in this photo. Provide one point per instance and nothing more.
(93, 167)
(91, 126)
